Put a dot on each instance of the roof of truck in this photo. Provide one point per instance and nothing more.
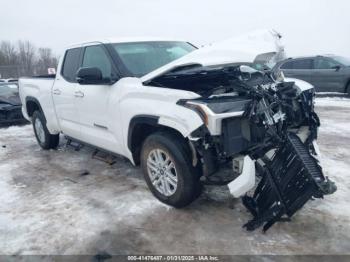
(123, 40)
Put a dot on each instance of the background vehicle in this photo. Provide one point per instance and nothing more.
(328, 73)
(10, 105)
(183, 114)
(10, 80)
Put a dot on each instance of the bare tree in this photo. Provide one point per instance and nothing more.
(8, 53)
(24, 59)
(26, 56)
(45, 60)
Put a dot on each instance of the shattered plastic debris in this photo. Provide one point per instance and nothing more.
(70, 180)
(84, 173)
(20, 185)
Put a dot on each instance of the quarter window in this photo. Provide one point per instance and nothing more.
(71, 64)
(95, 56)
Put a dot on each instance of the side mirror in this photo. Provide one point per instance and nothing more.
(336, 68)
(90, 76)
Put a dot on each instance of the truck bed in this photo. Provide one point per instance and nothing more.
(38, 88)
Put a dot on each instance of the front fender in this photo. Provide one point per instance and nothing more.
(185, 125)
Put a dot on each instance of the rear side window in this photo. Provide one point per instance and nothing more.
(298, 64)
(71, 64)
(302, 64)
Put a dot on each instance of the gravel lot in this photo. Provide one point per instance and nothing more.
(49, 205)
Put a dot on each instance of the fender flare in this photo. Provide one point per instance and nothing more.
(140, 119)
(36, 101)
(155, 121)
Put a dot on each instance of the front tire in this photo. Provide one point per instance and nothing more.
(168, 171)
(42, 134)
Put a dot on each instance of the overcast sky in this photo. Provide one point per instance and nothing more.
(308, 27)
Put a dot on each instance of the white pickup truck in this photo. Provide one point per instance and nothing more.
(184, 113)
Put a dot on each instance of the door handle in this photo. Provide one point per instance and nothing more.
(79, 94)
(56, 92)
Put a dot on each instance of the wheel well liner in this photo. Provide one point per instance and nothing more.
(32, 104)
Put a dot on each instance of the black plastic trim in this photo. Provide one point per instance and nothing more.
(140, 119)
(36, 101)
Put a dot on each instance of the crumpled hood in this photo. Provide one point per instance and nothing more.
(242, 49)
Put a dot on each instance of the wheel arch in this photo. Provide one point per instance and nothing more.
(347, 86)
(140, 127)
(32, 104)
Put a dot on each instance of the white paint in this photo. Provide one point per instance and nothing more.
(113, 107)
(245, 181)
(240, 49)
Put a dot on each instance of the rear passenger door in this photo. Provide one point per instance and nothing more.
(300, 68)
(64, 92)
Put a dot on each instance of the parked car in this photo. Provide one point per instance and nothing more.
(10, 105)
(9, 80)
(183, 114)
(12, 80)
(328, 73)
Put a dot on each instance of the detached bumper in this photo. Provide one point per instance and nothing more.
(291, 178)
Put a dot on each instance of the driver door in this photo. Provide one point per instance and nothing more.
(327, 76)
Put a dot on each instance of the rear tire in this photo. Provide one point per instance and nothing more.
(42, 134)
(168, 170)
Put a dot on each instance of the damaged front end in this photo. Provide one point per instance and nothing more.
(10, 105)
(265, 128)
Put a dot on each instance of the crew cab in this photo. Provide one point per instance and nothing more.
(183, 114)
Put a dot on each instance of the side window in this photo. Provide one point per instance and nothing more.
(303, 64)
(95, 56)
(71, 64)
(325, 63)
(287, 65)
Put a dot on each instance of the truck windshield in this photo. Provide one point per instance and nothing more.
(143, 57)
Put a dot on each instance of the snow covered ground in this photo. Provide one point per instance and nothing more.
(50, 205)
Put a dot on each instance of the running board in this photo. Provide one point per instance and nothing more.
(291, 178)
(104, 157)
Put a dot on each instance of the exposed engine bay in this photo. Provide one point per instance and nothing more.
(256, 116)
